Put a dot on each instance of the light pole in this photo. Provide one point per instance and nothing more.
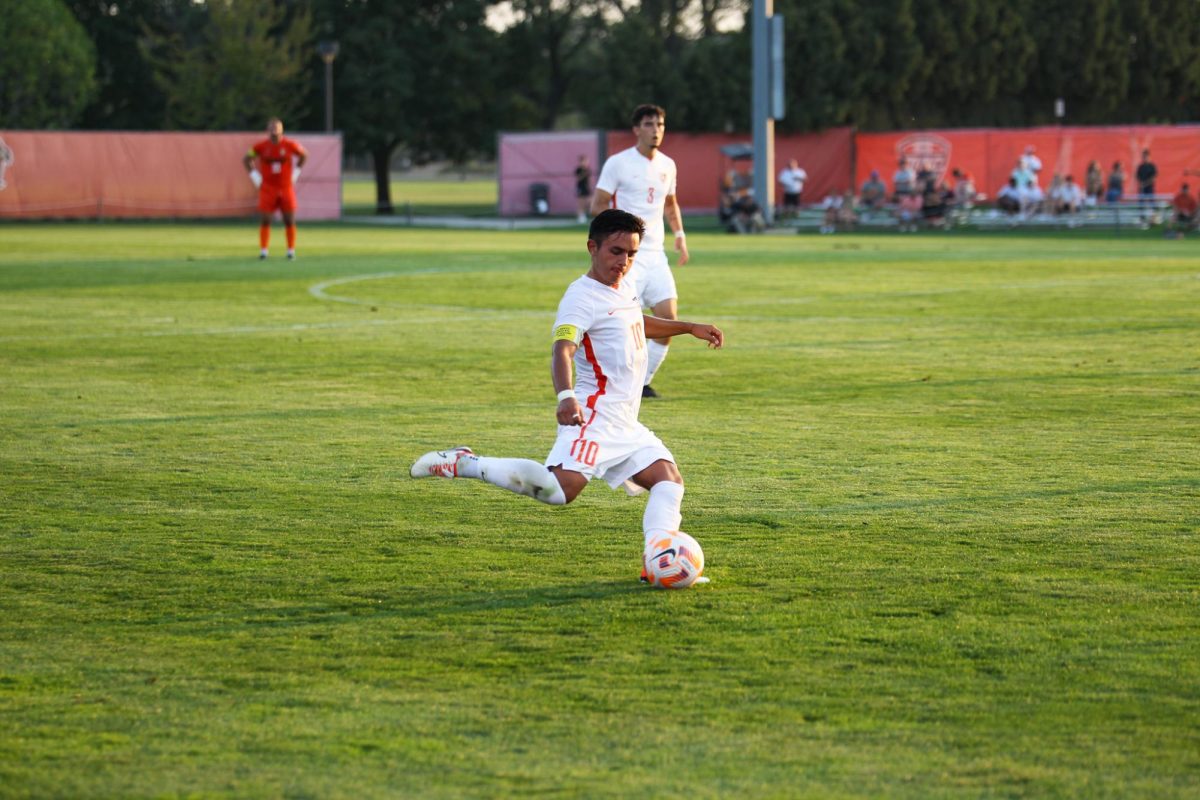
(328, 50)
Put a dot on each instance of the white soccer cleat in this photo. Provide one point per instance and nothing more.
(439, 463)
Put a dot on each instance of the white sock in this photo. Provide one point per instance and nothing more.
(518, 475)
(655, 354)
(662, 509)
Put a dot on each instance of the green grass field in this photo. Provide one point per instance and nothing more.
(947, 487)
(458, 197)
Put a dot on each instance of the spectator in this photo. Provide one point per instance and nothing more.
(1022, 173)
(792, 180)
(964, 189)
(832, 204)
(1008, 199)
(583, 187)
(874, 191)
(1185, 206)
(904, 182)
(747, 214)
(1116, 183)
(1094, 183)
(1145, 175)
(1069, 198)
(847, 218)
(1031, 163)
(933, 203)
(909, 211)
(1032, 199)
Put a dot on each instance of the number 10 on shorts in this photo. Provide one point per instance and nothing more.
(585, 452)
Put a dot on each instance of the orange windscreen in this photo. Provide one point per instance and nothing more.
(47, 175)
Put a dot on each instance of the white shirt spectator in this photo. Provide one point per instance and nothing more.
(792, 180)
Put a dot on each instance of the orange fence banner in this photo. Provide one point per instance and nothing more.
(991, 154)
(121, 175)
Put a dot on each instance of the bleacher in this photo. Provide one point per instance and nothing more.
(1123, 215)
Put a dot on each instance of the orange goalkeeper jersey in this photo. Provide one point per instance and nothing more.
(275, 160)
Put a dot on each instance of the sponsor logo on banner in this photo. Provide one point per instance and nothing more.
(925, 152)
(6, 161)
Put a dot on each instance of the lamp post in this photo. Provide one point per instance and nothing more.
(328, 50)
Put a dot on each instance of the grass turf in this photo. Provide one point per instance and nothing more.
(450, 196)
(946, 486)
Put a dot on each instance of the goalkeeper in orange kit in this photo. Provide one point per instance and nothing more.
(271, 170)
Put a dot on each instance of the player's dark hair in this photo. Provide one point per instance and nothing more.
(647, 110)
(614, 220)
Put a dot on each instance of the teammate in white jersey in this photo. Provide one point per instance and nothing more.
(641, 180)
(601, 331)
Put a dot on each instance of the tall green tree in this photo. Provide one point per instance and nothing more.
(47, 65)
(247, 62)
(1162, 45)
(414, 76)
(127, 96)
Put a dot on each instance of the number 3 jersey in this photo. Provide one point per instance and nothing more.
(610, 362)
(640, 186)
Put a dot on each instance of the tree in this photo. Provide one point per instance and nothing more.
(127, 97)
(414, 75)
(47, 65)
(245, 64)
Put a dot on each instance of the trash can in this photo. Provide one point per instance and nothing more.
(539, 199)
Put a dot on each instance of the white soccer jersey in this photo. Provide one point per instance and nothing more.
(640, 186)
(610, 362)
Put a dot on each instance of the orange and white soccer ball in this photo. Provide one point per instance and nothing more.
(673, 561)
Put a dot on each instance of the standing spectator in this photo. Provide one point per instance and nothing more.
(275, 182)
(1022, 173)
(904, 182)
(1094, 183)
(1185, 206)
(1146, 173)
(1031, 163)
(792, 180)
(1116, 183)
(641, 180)
(874, 191)
(583, 187)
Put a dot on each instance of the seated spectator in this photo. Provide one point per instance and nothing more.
(1008, 199)
(874, 191)
(747, 214)
(1032, 199)
(908, 211)
(904, 182)
(1185, 206)
(1116, 183)
(964, 189)
(846, 217)
(1069, 198)
(832, 205)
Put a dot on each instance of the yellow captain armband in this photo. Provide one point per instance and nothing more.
(566, 333)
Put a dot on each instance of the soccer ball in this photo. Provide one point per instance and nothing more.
(673, 560)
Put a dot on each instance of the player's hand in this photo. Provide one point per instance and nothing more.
(569, 412)
(681, 248)
(709, 333)
(256, 178)
(295, 174)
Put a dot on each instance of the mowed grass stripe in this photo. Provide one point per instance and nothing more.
(946, 486)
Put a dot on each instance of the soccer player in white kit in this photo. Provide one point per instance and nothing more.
(641, 180)
(599, 330)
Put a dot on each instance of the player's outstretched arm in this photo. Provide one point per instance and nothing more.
(659, 328)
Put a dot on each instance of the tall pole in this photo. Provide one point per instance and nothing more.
(328, 50)
(762, 118)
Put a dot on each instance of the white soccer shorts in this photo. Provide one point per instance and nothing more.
(614, 456)
(652, 277)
